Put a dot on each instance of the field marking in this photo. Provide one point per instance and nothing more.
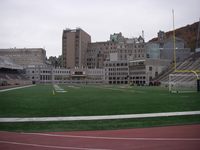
(120, 89)
(115, 138)
(15, 88)
(74, 87)
(58, 89)
(48, 146)
(108, 117)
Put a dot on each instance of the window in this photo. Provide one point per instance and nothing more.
(150, 78)
(150, 68)
(156, 73)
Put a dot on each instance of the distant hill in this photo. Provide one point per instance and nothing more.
(187, 33)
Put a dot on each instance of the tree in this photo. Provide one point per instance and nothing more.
(56, 62)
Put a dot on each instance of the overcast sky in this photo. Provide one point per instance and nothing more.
(39, 23)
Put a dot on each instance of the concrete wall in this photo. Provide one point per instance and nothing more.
(25, 56)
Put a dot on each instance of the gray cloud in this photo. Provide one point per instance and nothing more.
(39, 23)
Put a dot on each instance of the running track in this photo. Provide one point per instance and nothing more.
(158, 138)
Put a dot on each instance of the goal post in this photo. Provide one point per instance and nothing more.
(183, 83)
(198, 85)
(183, 80)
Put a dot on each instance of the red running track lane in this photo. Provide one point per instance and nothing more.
(158, 138)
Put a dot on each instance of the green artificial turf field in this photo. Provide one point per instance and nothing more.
(93, 100)
(82, 100)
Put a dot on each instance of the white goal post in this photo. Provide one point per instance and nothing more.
(182, 83)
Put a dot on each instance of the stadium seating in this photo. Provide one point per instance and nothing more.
(191, 63)
(11, 74)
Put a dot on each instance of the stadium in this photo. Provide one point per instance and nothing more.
(75, 106)
(128, 94)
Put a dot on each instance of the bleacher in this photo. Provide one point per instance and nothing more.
(191, 63)
(11, 74)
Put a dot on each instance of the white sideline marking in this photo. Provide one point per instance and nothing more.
(75, 87)
(120, 89)
(15, 88)
(108, 117)
(48, 146)
(61, 91)
(115, 138)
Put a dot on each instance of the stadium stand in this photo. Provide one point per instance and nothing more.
(191, 63)
(11, 74)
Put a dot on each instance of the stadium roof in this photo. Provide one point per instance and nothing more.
(6, 62)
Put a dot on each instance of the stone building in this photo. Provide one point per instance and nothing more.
(143, 72)
(116, 72)
(138, 72)
(119, 60)
(117, 48)
(163, 48)
(47, 74)
(97, 54)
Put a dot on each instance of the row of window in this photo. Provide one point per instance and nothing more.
(48, 71)
(95, 72)
(114, 49)
(45, 77)
(117, 78)
(124, 78)
(117, 73)
(118, 82)
(116, 69)
(138, 77)
(58, 71)
(113, 64)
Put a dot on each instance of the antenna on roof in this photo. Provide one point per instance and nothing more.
(143, 34)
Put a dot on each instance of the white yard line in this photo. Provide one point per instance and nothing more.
(15, 88)
(115, 138)
(75, 87)
(108, 117)
(48, 146)
(58, 89)
(119, 89)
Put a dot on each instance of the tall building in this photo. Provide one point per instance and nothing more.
(74, 47)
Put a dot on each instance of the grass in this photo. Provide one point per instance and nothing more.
(99, 125)
(93, 100)
(39, 101)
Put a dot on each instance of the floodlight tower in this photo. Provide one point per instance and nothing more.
(174, 39)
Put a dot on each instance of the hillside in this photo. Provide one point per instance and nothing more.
(188, 33)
